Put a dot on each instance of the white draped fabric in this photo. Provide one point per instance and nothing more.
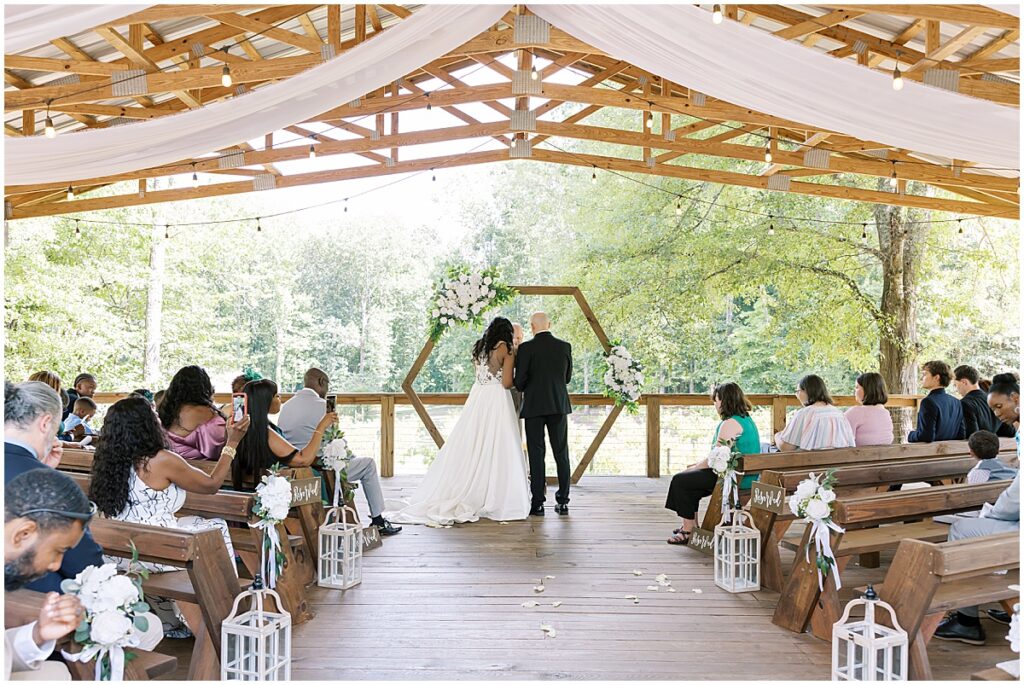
(29, 26)
(750, 68)
(426, 35)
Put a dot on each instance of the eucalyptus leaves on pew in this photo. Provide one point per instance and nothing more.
(271, 503)
(116, 616)
(812, 502)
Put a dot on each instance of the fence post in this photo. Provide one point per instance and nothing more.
(653, 403)
(778, 414)
(387, 436)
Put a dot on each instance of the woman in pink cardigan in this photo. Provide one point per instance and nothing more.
(870, 420)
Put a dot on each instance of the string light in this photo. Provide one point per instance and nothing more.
(533, 73)
(716, 14)
(225, 76)
(893, 179)
(427, 95)
(433, 174)
(195, 176)
(259, 228)
(346, 205)
(167, 232)
(312, 151)
(78, 230)
(650, 120)
(768, 154)
(864, 231)
(960, 225)
(50, 131)
(897, 77)
(679, 207)
(71, 193)
(771, 224)
(593, 175)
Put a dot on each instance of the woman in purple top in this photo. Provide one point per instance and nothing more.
(195, 427)
(870, 420)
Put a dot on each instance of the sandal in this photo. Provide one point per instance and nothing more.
(680, 538)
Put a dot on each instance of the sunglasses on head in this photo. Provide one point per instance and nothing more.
(76, 515)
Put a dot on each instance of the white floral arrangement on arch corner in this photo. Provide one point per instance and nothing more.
(116, 617)
(623, 377)
(812, 502)
(462, 297)
(271, 504)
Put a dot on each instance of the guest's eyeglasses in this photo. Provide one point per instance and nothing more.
(76, 515)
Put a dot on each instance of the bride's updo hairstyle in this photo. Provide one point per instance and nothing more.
(499, 330)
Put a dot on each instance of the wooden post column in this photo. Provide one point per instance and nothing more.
(387, 436)
(653, 437)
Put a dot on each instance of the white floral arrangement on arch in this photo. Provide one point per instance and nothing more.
(271, 504)
(724, 459)
(116, 617)
(463, 296)
(623, 377)
(812, 502)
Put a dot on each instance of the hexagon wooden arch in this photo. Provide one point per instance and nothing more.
(572, 291)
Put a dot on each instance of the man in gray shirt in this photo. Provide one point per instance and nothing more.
(298, 419)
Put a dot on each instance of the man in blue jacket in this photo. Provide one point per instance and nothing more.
(940, 416)
(31, 418)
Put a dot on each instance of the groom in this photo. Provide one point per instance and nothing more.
(542, 372)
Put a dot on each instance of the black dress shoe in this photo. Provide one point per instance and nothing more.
(562, 509)
(388, 528)
(537, 510)
(952, 629)
(999, 616)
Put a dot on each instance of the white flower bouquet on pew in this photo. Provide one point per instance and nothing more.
(271, 504)
(623, 377)
(463, 296)
(335, 455)
(116, 617)
(724, 460)
(812, 502)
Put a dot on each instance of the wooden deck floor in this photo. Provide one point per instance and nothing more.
(446, 604)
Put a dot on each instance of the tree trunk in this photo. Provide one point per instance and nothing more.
(898, 345)
(154, 306)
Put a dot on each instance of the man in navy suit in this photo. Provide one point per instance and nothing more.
(940, 416)
(31, 418)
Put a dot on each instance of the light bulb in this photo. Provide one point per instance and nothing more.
(533, 74)
(593, 175)
(346, 205)
(167, 232)
(225, 76)
(312, 152)
(864, 231)
(716, 14)
(894, 180)
(960, 223)
(897, 79)
(71, 193)
(679, 208)
(51, 132)
(259, 228)
(768, 154)
(78, 230)
(771, 226)
(195, 179)
(433, 175)
(650, 120)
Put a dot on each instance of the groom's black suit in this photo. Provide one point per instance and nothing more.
(543, 370)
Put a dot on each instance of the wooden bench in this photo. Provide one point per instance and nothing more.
(872, 523)
(771, 514)
(820, 460)
(235, 507)
(992, 674)
(927, 580)
(22, 607)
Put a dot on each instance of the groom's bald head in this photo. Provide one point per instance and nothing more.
(539, 322)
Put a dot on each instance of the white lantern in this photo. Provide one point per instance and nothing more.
(865, 650)
(737, 554)
(256, 645)
(341, 550)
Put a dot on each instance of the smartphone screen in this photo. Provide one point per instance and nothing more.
(238, 406)
(332, 402)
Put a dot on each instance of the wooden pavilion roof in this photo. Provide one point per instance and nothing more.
(470, 91)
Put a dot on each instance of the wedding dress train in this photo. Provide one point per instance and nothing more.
(480, 472)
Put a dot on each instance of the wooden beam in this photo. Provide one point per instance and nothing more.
(28, 122)
(168, 12)
(334, 26)
(950, 47)
(818, 23)
(310, 28)
(1006, 39)
(360, 23)
(974, 15)
(251, 25)
(140, 59)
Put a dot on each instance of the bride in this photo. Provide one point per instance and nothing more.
(480, 472)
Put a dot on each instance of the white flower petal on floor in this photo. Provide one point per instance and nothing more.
(652, 588)
(697, 591)
(549, 577)
(671, 589)
(556, 604)
(548, 630)
(530, 604)
(638, 572)
(538, 588)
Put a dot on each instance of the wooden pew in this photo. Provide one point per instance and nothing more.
(771, 514)
(926, 580)
(820, 460)
(22, 607)
(235, 507)
(872, 523)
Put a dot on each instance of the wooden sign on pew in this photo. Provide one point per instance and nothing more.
(703, 541)
(371, 538)
(769, 497)
(305, 491)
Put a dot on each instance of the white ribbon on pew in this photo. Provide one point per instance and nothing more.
(823, 547)
(269, 551)
(99, 653)
(337, 487)
(730, 492)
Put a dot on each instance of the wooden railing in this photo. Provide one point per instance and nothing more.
(651, 403)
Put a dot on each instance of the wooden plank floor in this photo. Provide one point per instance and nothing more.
(446, 604)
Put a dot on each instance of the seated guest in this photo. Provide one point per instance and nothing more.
(31, 416)
(238, 384)
(45, 514)
(137, 478)
(158, 397)
(53, 380)
(690, 486)
(1004, 400)
(818, 425)
(973, 401)
(940, 416)
(984, 446)
(77, 422)
(143, 392)
(301, 419)
(84, 386)
(194, 425)
(870, 420)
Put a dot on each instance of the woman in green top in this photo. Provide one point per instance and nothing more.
(698, 481)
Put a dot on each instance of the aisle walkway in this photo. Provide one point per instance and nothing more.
(446, 604)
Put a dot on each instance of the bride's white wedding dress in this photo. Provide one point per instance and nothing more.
(480, 472)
